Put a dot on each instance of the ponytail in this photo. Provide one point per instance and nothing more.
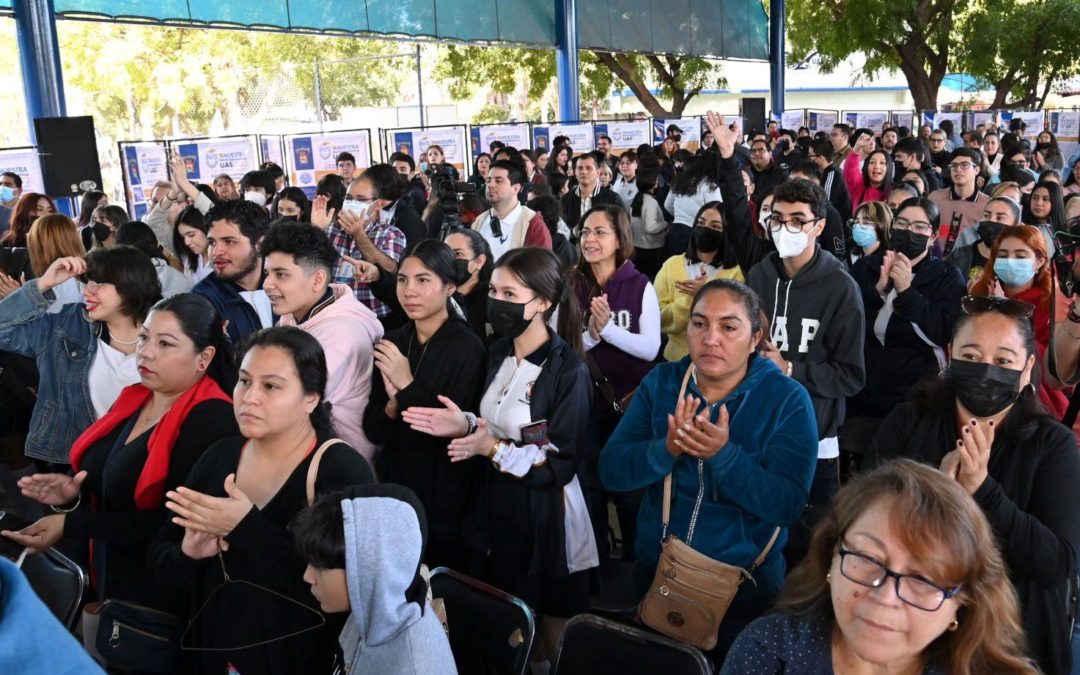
(569, 323)
(321, 420)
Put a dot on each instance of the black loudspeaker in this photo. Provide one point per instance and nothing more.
(753, 114)
(67, 147)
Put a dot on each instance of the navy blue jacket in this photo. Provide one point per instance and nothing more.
(231, 306)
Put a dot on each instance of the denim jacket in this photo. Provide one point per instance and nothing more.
(63, 344)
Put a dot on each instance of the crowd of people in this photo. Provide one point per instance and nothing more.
(843, 362)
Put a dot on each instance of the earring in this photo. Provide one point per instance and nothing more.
(954, 625)
(828, 578)
(1028, 390)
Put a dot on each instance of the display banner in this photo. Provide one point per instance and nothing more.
(983, 117)
(820, 120)
(415, 142)
(793, 119)
(904, 119)
(691, 130)
(26, 163)
(210, 157)
(581, 135)
(874, 121)
(1065, 124)
(624, 135)
(1035, 119)
(271, 150)
(541, 139)
(935, 120)
(144, 163)
(312, 156)
(515, 135)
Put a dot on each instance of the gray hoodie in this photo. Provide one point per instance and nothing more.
(387, 633)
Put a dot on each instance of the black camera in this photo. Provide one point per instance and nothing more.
(1065, 245)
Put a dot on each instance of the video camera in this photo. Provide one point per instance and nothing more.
(1065, 245)
(447, 191)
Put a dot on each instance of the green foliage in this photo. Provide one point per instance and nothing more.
(492, 114)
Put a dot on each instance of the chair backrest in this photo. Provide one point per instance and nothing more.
(491, 632)
(590, 645)
(59, 583)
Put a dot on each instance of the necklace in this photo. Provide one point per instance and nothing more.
(113, 338)
(408, 353)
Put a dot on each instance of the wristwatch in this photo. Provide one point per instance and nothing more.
(471, 420)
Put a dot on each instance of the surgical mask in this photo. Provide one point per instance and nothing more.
(790, 244)
(763, 219)
(6, 193)
(255, 197)
(983, 388)
(989, 230)
(507, 319)
(908, 243)
(1014, 271)
(356, 206)
(706, 240)
(461, 267)
(101, 232)
(423, 166)
(864, 235)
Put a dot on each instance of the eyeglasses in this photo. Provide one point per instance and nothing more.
(961, 166)
(93, 286)
(936, 140)
(599, 234)
(794, 226)
(913, 590)
(980, 304)
(861, 221)
(759, 151)
(1022, 163)
(916, 226)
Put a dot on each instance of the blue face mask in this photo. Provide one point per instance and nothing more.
(864, 235)
(6, 193)
(1014, 271)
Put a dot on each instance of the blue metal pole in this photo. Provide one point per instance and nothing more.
(776, 55)
(566, 60)
(39, 55)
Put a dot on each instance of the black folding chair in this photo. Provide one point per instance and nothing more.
(591, 645)
(491, 632)
(58, 581)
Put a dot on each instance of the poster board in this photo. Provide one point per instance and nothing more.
(624, 135)
(270, 150)
(515, 135)
(143, 163)
(873, 120)
(415, 142)
(793, 119)
(934, 119)
(206, 158)
(26, 163)
(1065, 124)
(981, 117)
(309, 157)
(904, 118)
(821, 120)
(691, 131)
(1035, 119)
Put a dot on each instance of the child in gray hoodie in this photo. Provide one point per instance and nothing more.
(363, 547)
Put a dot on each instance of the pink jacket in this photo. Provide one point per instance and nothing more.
(347, 331)
(853, 178)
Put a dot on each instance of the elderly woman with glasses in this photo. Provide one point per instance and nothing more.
(903, 576)
(982, 423)
(912, 301)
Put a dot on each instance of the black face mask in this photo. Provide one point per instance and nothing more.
(462, 269)
(707, 240)
(507, 319)
(101, 232)
(898, 169)
(907, 242)
(989, 231)
(983, 388)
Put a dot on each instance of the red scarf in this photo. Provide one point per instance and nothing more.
(150, 489)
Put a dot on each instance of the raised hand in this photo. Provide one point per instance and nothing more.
(321, 213)
(726, 139)
(60, 271)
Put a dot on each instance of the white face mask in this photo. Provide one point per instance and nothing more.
(788, 244)
(763, 219)
(255, 197)
(356, 206)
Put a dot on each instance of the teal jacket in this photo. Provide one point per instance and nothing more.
(757, 482)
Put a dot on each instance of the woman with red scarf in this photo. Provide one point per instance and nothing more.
(144, 446)
(1019, 268)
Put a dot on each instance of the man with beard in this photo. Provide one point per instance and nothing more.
(235, 287)
(509, 224)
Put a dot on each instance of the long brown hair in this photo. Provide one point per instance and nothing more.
(1033, 239)
(23, 217)
(50, 238)
(934, 518)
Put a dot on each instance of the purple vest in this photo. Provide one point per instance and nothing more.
(624, 289)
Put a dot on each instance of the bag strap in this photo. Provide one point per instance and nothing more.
(313, 468)
(765, 551)
(667, 479)
(602, 384)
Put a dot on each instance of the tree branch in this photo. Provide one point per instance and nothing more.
(624, 69)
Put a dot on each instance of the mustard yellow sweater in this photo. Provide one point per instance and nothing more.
(675, 305)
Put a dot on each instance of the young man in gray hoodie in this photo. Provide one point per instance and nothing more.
(363, 547)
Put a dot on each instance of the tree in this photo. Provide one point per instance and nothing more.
(1023, 47)
(530, 73)
(914, 36)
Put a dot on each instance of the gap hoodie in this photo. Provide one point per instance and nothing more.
(392, 629)
(817, 322)
(347, 329)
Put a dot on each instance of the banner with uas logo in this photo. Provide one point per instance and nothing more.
(207, 158)
(1065, 124)
(415, 142)
(26, 163)
(624, 135)
(312, 156)
(143, 165)
(514, 135)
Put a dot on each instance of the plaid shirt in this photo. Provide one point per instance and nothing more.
(386, 237)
